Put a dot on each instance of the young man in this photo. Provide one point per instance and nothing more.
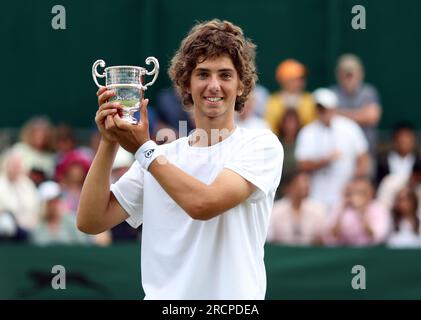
(204, 200)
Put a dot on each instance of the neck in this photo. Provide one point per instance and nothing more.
(289, 138)
(403, 154)
(296, 204)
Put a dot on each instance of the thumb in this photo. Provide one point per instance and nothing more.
(144, 111)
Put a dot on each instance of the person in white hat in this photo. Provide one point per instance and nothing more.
(58, 226)
(332, 149)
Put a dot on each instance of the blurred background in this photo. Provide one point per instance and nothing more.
(48, 139)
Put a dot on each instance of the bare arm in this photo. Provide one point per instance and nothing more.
(199, 200)
(362, 165)
(314, 165)
(98, 209)
(367, 115)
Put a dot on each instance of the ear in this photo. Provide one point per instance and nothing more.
(240, 89)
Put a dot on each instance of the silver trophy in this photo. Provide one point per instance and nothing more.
(128, 83)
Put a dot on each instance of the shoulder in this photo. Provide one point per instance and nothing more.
(20, 147)
(274, 100)
(263, 137)
(307, 96)
(369, 88)
(280, 206)
(345, 123)
(377, 207)
(335, 88)
(310, 128)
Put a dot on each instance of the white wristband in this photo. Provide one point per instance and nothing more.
(147, 153)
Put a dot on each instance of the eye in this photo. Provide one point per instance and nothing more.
(202, 75)
(226, 75)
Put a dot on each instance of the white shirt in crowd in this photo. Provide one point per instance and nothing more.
(400, 165)
(316, 141)
(405, 237)
(221, 258)
(21, 199)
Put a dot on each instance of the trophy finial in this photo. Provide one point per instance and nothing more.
(154, 71)
(95, 73)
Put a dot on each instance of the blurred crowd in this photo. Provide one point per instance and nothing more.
(340, 185)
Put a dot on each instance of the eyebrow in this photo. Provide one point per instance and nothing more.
(220, 70)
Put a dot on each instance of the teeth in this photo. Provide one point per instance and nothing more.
(213, 99)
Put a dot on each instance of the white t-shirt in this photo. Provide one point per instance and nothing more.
(221, 258)
(316, 141)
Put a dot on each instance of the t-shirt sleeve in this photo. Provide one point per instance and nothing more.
(259, 160)
(371, 95)
(128, 191)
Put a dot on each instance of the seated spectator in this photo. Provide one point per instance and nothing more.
(248, 118)
(357, 100)
(332, 149)
(35, 148)
(289, 128)
(406, 223)
(291, 76)
(71, 173)
(296, 219)
(58, 226)
(64, 141)
(392, 183)
(9, 228)
(359, 220)
(18, 194)
(402, 159)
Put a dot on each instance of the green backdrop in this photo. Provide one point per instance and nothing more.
(49, 71)
(292, 273)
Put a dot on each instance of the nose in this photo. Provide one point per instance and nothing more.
(214, 85)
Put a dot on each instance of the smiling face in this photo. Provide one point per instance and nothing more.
(214, 87)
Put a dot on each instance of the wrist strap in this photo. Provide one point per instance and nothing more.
(147, 153)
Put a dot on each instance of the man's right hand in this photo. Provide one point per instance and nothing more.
(104, 115)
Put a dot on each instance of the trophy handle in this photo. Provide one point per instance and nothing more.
(95, 73)
(154, 71)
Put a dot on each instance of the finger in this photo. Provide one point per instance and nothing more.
(144, 111)
(109, 123)
(101, 90)
(110, 105)
(104, 113)
(107, 94)
(120, 123)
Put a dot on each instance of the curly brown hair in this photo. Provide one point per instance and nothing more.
(212, 39)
